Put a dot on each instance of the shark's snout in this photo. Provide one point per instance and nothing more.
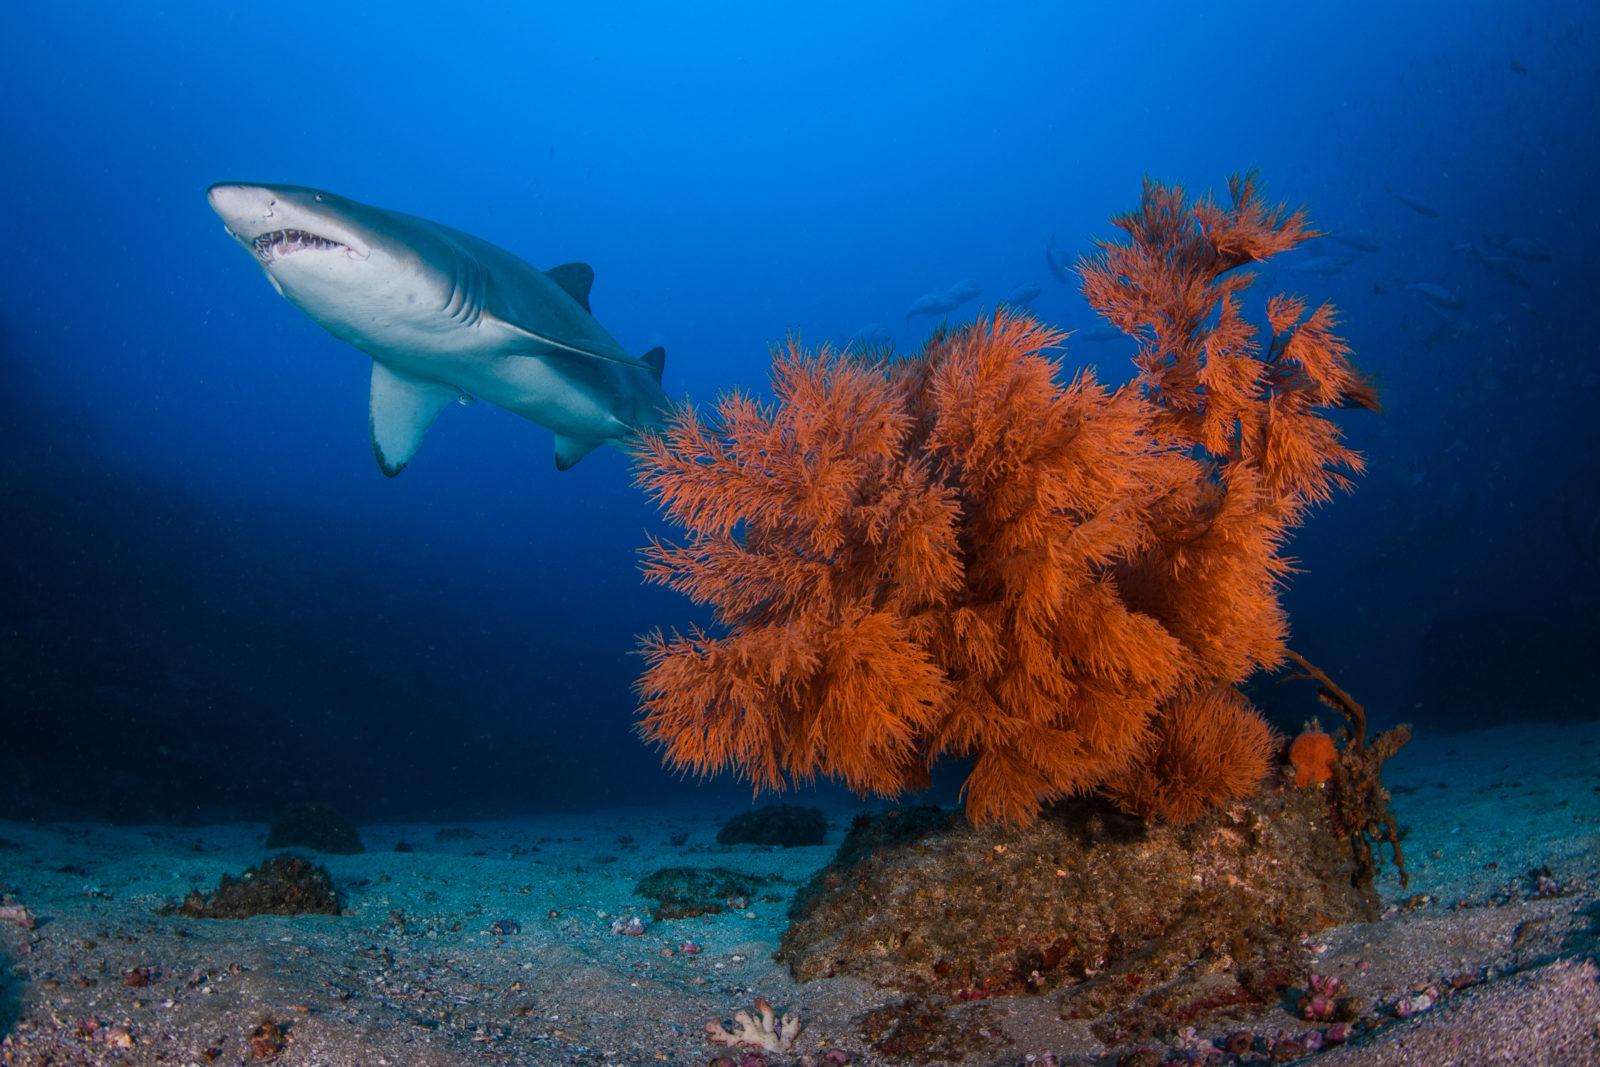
(244, 209)
(276, 221)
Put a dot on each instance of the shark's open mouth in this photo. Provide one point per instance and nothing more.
(280, 243)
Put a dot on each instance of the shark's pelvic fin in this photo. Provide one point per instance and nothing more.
(401, 411)
(576, 278)
(571, 449)
(656, 360)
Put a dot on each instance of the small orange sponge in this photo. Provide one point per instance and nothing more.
(1313, 755)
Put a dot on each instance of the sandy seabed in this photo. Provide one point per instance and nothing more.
(1503, 845)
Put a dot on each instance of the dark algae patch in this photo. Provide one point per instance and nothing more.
(684, 892)
(778, 824)
(317, 827)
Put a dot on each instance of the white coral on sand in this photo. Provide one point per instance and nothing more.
(768, 1032)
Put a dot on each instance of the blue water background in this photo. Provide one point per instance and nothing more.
(214, 601)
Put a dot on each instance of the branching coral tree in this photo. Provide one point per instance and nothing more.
(972, 554)
(1055, 679)
(1253, 420)
(822, 544)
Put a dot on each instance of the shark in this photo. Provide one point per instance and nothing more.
(446, 318)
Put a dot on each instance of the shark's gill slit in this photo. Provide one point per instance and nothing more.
(465, 303)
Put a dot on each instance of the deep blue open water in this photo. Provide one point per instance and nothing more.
(212, 602)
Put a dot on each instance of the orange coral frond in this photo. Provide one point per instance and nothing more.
(1208, 748)
(973, 554)
(1283, 311)
(1250, 230)
(875, 699)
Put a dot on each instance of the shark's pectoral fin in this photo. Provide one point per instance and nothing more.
(401, 411)
(571, 449)
(576, 278)
(656, 360)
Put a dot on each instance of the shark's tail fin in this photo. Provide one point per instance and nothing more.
(656, 360)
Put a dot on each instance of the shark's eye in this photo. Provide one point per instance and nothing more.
(319, 198)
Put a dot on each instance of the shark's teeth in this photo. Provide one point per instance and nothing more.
(280, 243)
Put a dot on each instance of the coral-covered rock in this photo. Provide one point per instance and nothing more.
(267, 1040)
(776, 824)
(930, 1030)
(684, 892)
(317, 827)
(282, 885)
(1120, 919)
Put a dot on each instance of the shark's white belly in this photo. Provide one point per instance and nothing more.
(465, 348)
(488, 362)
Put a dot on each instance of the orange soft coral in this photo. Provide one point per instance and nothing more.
(1312, 754)
(1252, 416)
(1054, 679)
(820, 550)
(1209, 747)
(969, 554)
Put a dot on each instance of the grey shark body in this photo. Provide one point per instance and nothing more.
(446, 317)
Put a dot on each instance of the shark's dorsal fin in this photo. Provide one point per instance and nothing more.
(571, 449)
(400, 412)
(576, 278)
(656, 360)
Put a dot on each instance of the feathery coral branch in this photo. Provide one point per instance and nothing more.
(970, 554)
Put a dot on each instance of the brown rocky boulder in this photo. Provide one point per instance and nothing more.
(1139, 926)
